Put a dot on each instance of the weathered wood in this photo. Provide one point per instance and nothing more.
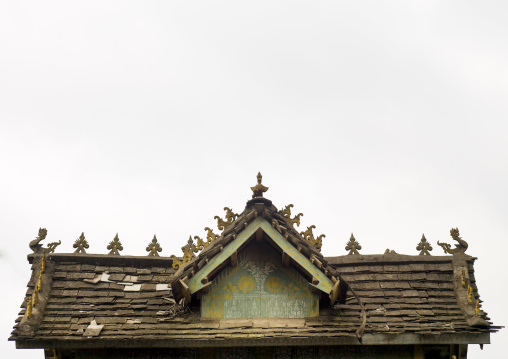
(285, 259)
(206, 287)
(259, 235)
(316, 261)
(234, 259)
(185, 291)
(334, 295)
(163, 342)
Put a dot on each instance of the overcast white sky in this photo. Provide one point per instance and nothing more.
(385, 119)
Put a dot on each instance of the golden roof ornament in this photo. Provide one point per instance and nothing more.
(188, 254)
(230, 218)
(115, 246)
(286, 213)
(210, 237)
(34, 245)
(81, 244)
(424, 247)
(52, 246)
(353, 246)
(309, 236)
(154, 247)
(258, 189)
(459, 248)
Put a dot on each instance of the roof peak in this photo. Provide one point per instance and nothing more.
(258, 189)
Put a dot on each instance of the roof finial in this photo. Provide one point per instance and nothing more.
(353, 246)
(424, 247)
(258, 189)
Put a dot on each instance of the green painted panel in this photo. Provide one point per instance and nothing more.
(325, 284)
(259, 287)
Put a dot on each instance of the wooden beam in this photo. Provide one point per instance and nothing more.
(234, 259)
(185, 291)
(259, 235)
(334, 294)
(206, 287)
(285, 259)
(316, 261)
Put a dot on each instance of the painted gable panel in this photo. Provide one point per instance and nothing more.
(259, 287)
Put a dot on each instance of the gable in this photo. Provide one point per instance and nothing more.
(199, 280)
(259, 287)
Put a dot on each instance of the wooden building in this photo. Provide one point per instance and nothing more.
(260, 289)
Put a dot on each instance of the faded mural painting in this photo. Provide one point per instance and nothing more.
(259, 287)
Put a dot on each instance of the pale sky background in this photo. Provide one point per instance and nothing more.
(385, 119)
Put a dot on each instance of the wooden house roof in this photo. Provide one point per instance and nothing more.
(97, 301)
(407, 299)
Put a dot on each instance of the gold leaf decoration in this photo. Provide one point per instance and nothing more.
(286, 213)
(188, 254)
(230, 218)
(210, 237)
(176, 262)
(309, 236)
(469, 294)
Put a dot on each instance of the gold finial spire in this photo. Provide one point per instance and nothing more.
(258, 189)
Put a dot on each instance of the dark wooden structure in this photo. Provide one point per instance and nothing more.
(259, 290)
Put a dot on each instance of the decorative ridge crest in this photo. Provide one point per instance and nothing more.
(154, 247)
(309, 236)
(424, 247)
(461, 247)
(188, 254)
(115, 246)
(230, 218)
(52, 246)
(210, 237)
(286, 213)
(81, 244)
(353, 246)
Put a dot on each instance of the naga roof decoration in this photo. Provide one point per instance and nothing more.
(461, 247)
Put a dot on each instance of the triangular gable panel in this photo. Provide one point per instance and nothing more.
(196, 283)
(260, 286)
